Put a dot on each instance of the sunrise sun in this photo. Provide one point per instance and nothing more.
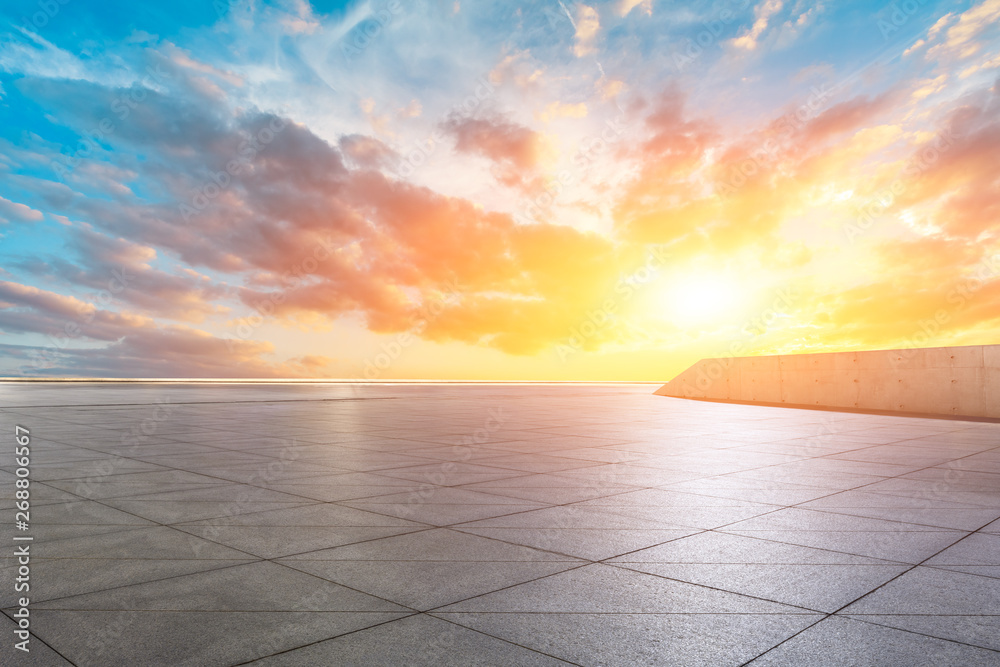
(700, 300)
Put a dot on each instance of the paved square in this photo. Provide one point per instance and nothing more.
(494, 524)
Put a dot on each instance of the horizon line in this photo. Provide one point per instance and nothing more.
(318, 381)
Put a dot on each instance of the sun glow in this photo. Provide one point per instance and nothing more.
(700, 300)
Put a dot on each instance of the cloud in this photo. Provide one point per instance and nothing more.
(368, 152)
(814, 71)
(611, 88)
(847, 116)
(59, 306)
(172, 352)
(513, 148)
(519, 67)
(121, 270)
(763, 12)
(955, 170)
(127, 345)
(240, 185)
(315, 237)
(31, 54)
(587, 25)
(960, 38)
(498, 139)
(919, 296)
(564, 110)
(793, 27)
(625, 7)
(14, 212)
(660, 203)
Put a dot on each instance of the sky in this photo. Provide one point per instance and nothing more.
(448, 189)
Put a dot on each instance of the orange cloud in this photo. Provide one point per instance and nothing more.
(762, 13)
(587, 26)
(497, 139)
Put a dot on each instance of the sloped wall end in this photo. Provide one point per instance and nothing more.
(956, 381)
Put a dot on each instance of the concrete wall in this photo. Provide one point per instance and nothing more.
(959, 381)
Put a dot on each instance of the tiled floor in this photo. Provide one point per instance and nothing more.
(495, 525)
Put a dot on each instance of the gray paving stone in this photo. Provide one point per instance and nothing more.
(81, 512)
(983, 496)
(441, 514)
(837, 641)
(811, 578)
(443, 495)
(259, 586)
(727, 548)
(588, 543)
(152, 543)
(978, 549)
(97, 638)
(974, 629)
(543, 489)
(575, 516)
(240, 493)
(63, 577)
(654, 639)
(725, 528)
(927, 511)
(257, 473)
(277, 541)
(335, 491)
(39, 654)
(53, 532)
(605, 589)
(805, 520)
(67, 471)
(910, 546)
(940, 603)
(41, 493)
(773, 493)
(184, 511)
(438, 544)
(114, 489)
(424, 585)
(705, 518)
(418, 640)
(824, 588)
(434, 475)
(818, 478)
(313, 514)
